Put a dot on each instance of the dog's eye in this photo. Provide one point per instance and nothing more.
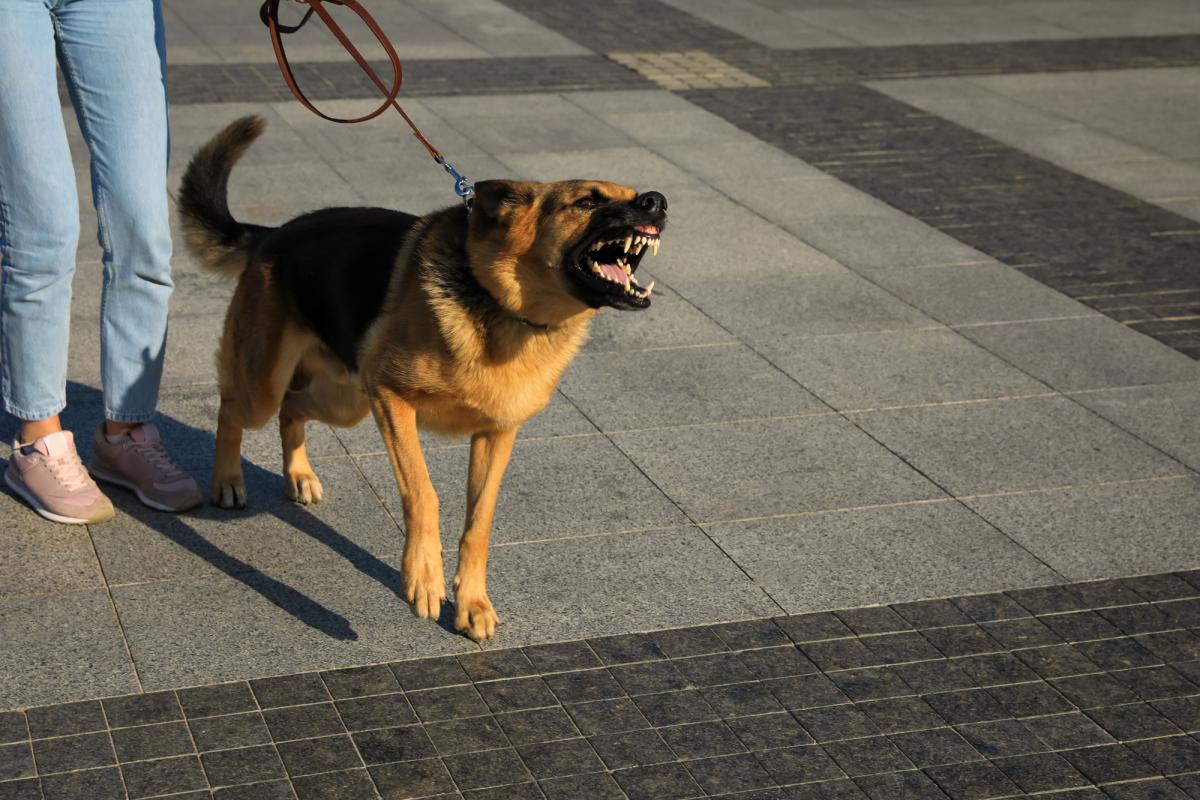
(585, 202)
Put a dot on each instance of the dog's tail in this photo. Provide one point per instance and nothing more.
(212, 234)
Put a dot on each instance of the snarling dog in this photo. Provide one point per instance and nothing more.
(461, 322)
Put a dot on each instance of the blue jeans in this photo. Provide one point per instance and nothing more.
(112, 55)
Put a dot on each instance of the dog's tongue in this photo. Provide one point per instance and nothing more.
(613, 272)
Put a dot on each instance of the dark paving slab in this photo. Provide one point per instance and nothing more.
(1068, 691)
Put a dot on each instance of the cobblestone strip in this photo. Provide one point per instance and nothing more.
(1091, 690)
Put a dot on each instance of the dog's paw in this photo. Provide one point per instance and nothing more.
(228, 491)
(474, 613)
(304, 487)
(424, 583)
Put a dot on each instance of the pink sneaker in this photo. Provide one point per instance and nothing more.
(51, 478)
(138, 461)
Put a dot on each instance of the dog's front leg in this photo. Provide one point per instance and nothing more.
(489, 456)
(424, 578)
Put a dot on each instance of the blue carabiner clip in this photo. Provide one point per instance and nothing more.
(462, 186)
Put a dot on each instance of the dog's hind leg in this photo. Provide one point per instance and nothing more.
(424, 577)
(474, 613)
(257, 358)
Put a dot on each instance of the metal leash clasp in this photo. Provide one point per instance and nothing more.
(462, 186)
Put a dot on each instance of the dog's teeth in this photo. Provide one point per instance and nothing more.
(628, 242)
(654, 246)
(649, 287)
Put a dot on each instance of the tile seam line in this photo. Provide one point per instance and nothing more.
(680, 508)
(137, 676)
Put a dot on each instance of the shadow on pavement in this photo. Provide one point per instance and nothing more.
(84, 405)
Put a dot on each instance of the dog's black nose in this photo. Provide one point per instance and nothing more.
(651, 201)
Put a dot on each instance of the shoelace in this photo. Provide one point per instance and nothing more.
(68, 470)
(157, 455)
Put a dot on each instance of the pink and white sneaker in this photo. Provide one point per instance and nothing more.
(50, 477)
(138, 461)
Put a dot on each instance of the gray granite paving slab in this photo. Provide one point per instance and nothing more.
(272, 534)
(983, 22)
(985, 292)
(629, 100)
(42, 557)
(497, 29)
(384, 138)
(416, 188)
(726, 163)
(552, 488)
(648, 389)
(552, 591)
(778, 310)
(876, 370)
(761, 23)
(1103, 531)
(871, 242)
(789, 200)
(1100, 18)
(710, 237)
(526, 134)
(1160, 179)
(236, 35)
(279, 181)
(959, 100)
(1008, 445)
(657, 128)
(876, 26)
(1090, 353)
(1164, 416)
(756, 468)
(457, 110)
(671, 321)
(877, 555)
(631, 166)
(206, 630)
(49, 656)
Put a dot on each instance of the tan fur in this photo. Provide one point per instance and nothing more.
(426, 362)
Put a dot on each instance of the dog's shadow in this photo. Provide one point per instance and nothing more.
(83, 414)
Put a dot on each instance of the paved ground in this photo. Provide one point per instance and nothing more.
(927, 327)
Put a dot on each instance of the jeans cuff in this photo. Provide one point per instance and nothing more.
(113, 416)
(32, 416)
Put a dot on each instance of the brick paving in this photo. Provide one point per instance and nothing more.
(1071, 691)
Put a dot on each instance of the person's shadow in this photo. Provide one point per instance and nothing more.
(83, 413)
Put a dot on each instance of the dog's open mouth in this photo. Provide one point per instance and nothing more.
(606, 265)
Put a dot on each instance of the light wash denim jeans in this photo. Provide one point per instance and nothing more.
(112, 55)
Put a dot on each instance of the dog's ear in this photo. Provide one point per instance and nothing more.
(499, 201)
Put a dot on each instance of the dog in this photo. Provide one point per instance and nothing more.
(461, 322)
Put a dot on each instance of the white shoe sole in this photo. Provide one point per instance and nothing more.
(18, 486)
(100, 475)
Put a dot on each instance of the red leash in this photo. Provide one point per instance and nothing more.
(269, 13)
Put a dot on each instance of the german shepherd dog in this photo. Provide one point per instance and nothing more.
(460, 322)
